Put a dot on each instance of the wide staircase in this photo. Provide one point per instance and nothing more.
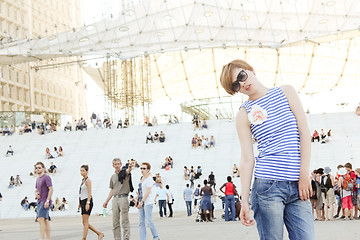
(97, 148)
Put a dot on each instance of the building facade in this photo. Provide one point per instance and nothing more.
(51, 86)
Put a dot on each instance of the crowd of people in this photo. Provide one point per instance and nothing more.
(45, 127)
(202, 142)
(15, 182)
(202, 198)
(339, 192)
(6, 131)
(57, 205)
(322, 136)
(156, 137)
(199, 124)
(55, 153)
(192, 175)
(40, 127)
(80, 124)
(169, 163)
(120, 123)
(205, 197)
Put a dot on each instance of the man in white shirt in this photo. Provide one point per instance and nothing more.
(171, 200)
(163, 198)
(188, 199)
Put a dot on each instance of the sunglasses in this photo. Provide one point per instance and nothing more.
(143, 168)
(38, 167)
(241, 77)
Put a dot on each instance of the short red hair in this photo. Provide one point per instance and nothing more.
(148, 166)
(226, 74)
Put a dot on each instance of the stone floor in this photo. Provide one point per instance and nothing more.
(176, 228)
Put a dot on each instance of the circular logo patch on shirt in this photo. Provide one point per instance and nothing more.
(257, 115)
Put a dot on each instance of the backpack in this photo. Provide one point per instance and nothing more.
(347, 183)
(197, 192)
(325, 183)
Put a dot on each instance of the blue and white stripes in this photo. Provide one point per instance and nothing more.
(278, 138)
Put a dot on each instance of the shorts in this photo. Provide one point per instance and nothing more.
(347, 203)
(42, 212)
(195, 201)
(330, 197)
(354, 197)
(83, 205)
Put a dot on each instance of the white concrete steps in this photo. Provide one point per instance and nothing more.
(97, 148)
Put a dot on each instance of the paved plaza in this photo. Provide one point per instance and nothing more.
(176, 228)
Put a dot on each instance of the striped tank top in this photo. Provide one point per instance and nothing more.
(278, 137)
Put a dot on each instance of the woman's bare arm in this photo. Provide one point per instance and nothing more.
(246, 163)
(305, 190)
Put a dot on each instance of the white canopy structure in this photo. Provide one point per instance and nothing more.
(159, 26)
(175, 49)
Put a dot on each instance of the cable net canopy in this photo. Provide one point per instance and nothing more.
(159, 26)
(195, 74)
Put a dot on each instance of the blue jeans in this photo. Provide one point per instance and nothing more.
(230, 203)
(276, 203)
(162, 205)
(25, 206)
(145, 213)
(188, 207)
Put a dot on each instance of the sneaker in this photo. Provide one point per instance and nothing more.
(336, 216)
(342, 217)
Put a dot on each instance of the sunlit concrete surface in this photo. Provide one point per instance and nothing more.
(177, 228)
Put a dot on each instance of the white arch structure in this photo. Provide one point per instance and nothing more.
(313, 45)
(162, 26)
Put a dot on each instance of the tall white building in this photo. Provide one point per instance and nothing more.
(47, 87)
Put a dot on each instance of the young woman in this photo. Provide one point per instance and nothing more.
(86, 202)
(206, 205)
(61, 152)
(281, 187)
(145, 202)
(64, 204)
(12, 182)
(48, 154)
(235, 171)
(57, 204)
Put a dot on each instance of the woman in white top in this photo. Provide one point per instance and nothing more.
(86, 202)
(145, 202)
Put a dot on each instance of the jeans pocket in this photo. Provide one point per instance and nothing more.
(264, 186)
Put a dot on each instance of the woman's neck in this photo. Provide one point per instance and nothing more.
(145, 175)
(261, 91)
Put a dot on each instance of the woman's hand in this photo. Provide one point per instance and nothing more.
(305, 189)
(140, 204)
(245, 215)
(87, 206)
